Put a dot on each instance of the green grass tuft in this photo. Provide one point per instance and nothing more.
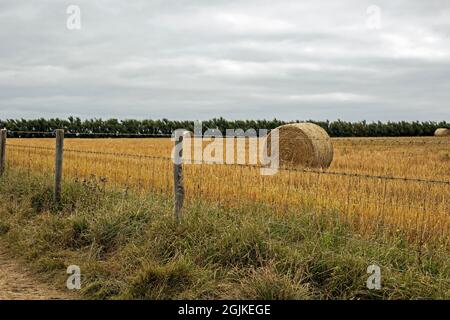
(129, 246)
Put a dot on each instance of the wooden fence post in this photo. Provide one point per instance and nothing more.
(58, 164)
(2, 151)
(178, 184)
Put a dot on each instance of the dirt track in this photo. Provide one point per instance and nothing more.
(18, 283)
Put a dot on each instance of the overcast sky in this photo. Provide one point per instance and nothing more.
(245, 59)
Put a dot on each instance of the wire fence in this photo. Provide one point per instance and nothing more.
(417, 207)
(296, 169)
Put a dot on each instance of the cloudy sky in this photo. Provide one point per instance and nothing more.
(198, 59)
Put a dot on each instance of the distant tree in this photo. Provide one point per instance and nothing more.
(112, 127)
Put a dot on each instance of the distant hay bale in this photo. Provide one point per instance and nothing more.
(304, 145)
(442, 132)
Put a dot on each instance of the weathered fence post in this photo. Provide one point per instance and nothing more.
(2, 151)
(58, 164)
(178, 184)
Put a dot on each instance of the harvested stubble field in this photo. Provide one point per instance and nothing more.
(294, 235)
(415, 210)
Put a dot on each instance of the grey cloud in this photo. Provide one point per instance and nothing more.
(238, 59)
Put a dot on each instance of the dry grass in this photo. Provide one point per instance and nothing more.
(417, 211)
(128, 246)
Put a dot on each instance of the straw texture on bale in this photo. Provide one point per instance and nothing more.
(442, 132)
(304, 145)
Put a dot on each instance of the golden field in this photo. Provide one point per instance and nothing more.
(419, 211)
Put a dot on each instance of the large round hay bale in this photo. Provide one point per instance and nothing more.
(442, 132)
(304, 145)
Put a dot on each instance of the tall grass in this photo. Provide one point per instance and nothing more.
(128, 246)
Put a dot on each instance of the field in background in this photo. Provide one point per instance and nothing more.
(415, 210)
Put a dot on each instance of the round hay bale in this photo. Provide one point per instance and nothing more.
(303, 145)
(442, 132)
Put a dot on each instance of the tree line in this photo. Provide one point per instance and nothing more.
(74, 126)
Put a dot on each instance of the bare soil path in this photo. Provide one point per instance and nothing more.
(18, 283)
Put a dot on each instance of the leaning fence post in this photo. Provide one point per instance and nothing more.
(2, 151)
(178, 184)
(58, 164)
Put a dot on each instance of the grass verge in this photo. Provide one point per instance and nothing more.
(129, 247)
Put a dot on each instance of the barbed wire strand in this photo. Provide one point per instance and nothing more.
(368, 202)
(303, 170)
(112, 134)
